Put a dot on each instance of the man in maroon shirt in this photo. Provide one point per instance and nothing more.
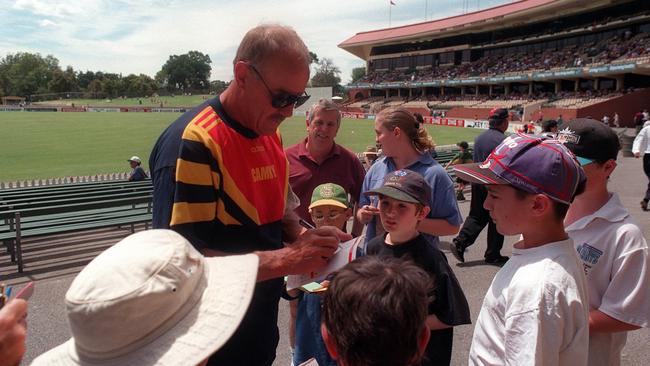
(318, 159)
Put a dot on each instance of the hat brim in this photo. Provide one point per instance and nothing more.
(393, 193)
(478, 173)
(327, 202)
(201, 332)
(584, 161)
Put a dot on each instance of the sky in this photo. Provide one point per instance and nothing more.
(138, 36)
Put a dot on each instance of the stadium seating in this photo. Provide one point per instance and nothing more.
(46, 210)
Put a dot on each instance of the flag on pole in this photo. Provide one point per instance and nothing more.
(391, 2)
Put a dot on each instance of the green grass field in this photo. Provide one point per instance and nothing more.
(168, 101)
(50, 144)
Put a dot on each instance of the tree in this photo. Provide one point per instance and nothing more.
(327, 74)
(218, 86)
(63, 81)
(313, 57)
(26, 73)
(357, 74)
(186, 71)
(95, 87)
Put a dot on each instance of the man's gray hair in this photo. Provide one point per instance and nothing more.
(325, 105)
(270, 40)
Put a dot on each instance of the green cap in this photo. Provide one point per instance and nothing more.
(329, 194)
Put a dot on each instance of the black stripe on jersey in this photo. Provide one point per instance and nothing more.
(192, 193)
(196, 152)
(233, 209)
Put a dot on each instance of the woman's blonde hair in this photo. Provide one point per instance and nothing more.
(405, 120)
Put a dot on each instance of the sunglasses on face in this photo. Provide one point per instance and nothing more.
(282, 100)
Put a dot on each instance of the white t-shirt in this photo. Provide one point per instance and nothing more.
(615, 259)
(641, 142)
(535, 312)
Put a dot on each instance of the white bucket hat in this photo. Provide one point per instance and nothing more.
(136, 159)
(152, 299)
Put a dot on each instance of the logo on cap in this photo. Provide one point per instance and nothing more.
(566, 135)
(327, 191)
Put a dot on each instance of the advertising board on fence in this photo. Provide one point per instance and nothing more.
(94, 109)
(477, 124)
(354, 115)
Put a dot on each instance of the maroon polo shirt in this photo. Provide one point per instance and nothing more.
(341, 167)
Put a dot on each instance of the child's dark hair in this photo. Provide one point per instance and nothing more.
(375, 311)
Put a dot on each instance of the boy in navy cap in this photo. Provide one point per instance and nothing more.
(611, 246)
(535, 311)
(403, 202)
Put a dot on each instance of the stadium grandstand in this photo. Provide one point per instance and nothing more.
(540, 58)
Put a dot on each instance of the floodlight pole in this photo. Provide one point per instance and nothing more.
(426, 9)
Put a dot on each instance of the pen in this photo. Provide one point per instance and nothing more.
(306, 224)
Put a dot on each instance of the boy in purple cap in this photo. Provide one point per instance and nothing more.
(403, 202)
(535, 311)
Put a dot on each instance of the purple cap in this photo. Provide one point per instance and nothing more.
(534, 164)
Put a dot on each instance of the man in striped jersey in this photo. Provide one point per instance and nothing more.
(221, 180)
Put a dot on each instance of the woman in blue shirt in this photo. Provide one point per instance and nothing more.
(405, 144)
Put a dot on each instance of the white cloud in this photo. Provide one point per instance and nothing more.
(54, 8)
(47, 23)
(137, 36)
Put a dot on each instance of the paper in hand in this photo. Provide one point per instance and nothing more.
(346, 253)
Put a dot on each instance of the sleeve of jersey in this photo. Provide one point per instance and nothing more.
(197, 178)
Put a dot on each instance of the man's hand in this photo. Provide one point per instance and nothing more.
(366, 213)
(309, 252)
(637, 155)
(313, 249)
(12, 332)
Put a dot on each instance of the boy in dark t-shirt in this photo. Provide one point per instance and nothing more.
(403, 202)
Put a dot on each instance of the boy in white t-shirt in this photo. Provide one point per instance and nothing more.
(611, 246)
(535, 311)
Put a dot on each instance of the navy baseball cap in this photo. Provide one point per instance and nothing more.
(404, 185)
(534, 164)
(590, 140)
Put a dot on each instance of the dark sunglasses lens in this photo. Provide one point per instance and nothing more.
(301, 100)
(281, 101)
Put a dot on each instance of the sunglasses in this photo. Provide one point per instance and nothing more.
(282, 100)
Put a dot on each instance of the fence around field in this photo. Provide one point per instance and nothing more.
(104, 177)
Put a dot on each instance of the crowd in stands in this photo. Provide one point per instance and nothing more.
(610, 50)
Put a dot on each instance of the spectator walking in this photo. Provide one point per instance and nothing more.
(319, 159)
(536, 309)
(137, 173)
(403, 203)
(611, 246)
(478, 216)
(641, 146)
(379, 305)
(405, 145)
(221, 179)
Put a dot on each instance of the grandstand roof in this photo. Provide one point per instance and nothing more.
(515, 13)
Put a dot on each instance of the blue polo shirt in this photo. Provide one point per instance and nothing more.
(443, 198)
